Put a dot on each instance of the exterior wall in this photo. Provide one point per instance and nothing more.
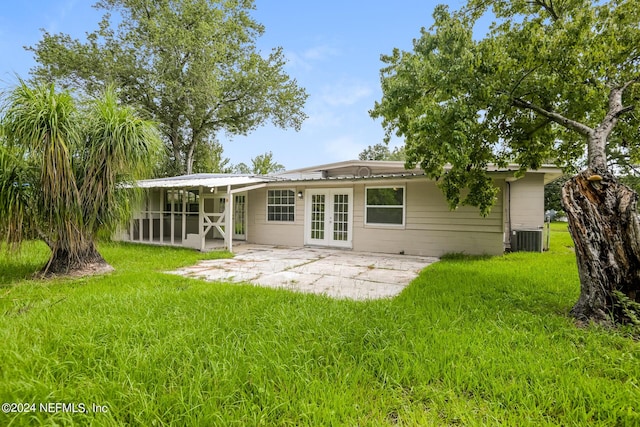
(264, 232)
(430, 229)
(527, 202)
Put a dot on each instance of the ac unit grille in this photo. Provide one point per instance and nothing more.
(526, 241)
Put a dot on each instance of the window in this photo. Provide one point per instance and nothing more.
(281, 205)
(384, 205)
(175, 198)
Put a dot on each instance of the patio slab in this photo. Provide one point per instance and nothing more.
(331, 272)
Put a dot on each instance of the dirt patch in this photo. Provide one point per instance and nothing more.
(91, 269)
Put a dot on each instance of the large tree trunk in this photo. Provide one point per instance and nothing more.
(87, 262)
(605, 229)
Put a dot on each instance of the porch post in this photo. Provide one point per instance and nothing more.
(173, 216)
(141, 221)
(184, 216)
(228, 226)
(201, 218)
(150, 215)
(161, 215)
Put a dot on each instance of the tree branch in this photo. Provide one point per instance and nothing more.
(555, 117)
(615, 108)
(629, 83)
(625, 110)
(548, 7)
(521, 79)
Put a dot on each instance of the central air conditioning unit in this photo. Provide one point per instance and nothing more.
(526, 240)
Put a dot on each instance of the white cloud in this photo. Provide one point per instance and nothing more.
(63, 12)
(304, 60)
(343, 148)
(320, 53)
(323, 119)
(295, 61)
(345, 93)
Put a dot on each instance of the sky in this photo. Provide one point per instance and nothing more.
(332, 47)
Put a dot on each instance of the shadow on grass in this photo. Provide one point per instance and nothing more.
(461, 256)
(23, 264)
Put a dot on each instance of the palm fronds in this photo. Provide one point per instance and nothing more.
(80, 158)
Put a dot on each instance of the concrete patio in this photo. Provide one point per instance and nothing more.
(335, 273)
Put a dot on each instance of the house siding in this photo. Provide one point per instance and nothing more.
(430, 227)
(261, 231)
(527, 202)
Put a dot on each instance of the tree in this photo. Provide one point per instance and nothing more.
(62, 168)
(192, 64)
(262, 164)
(550, 80)
(553, 193)
(382, 152)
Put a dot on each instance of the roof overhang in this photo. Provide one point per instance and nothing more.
(341, 171)
(374, 169)
(202, 180)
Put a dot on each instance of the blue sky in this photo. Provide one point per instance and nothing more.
(333, 50)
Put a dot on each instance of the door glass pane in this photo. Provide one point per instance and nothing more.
(341, 217)
(317, 216)
(239, 210)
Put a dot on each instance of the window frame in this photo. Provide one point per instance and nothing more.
(281, 221)
(382, 224)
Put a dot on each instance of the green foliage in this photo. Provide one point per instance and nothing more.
(547, 78)
(208, 158)
(263, 164)
(382, 152)
(632, 180)
(62, 166)
(192, 64)
(629, 308)
(553, 194)
(472, 341)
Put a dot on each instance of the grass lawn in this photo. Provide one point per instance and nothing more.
(484, 341)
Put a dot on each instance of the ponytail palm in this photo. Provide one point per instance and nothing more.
(62, 169)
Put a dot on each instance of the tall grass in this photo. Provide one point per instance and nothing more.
(470, 342)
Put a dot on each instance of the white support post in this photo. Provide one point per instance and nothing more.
(161, 215)
(201, 231)
(140, 228)
(184, 216)
(228, 226)
(150, 215)
(131, 229)
(173, 217)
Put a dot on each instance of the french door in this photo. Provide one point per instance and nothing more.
(329, 217)
(240, 216)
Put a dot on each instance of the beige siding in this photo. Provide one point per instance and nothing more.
(527, 202)
(264, 232)
(430, 227)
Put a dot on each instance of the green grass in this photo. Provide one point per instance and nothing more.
(472, 341)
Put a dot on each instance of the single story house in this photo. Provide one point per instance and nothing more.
(373, 206)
